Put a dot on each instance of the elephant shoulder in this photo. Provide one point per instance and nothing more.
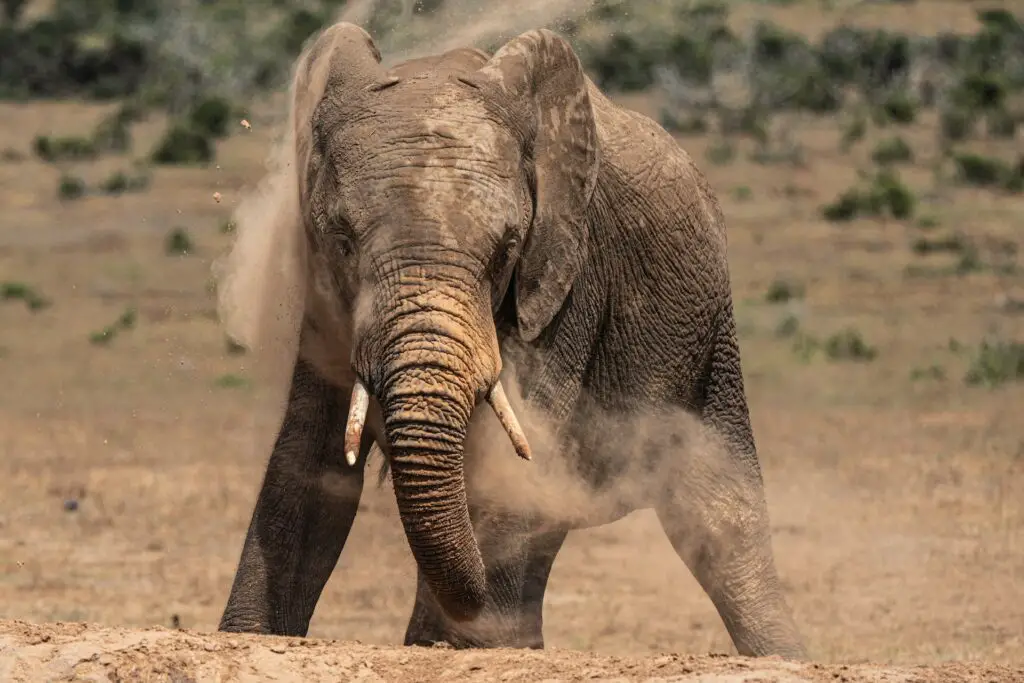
(648, 163)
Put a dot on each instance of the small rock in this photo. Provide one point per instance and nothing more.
(278, 649)
(70, 505)
(246, 124)
(216, 197)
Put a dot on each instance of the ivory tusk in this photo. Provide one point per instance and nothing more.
(503, 409)
(356, 420)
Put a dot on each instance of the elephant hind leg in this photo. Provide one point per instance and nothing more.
(714, 513)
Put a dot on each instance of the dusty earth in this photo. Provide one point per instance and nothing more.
(128, 470)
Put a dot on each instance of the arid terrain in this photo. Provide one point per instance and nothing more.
(130, 459)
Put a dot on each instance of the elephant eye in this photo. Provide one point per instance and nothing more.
(506, 252)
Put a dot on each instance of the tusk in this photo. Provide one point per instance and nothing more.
(503, 409)
(356, 420)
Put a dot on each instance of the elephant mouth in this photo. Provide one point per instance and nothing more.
(496, 398)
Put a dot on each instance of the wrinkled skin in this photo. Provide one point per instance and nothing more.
(459, 209)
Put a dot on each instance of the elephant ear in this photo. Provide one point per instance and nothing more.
(340, 62)
(540, 79)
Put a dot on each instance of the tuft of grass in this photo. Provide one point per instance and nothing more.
(19, 291)
(849, 345)
(931, 372)
(125, 321)
(179, 243)
(953, 243)
(996, 363)
(231, 381)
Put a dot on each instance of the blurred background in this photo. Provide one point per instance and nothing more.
(869, 158)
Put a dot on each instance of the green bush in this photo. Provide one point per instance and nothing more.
(981, 171)
(70, 187)
(120, 182)
(892, 150)
(781, 291)
(849, 345)
(178, 243)
(19, 291)
(885, 195)
(184, 145)
(996, 363)
(211, 117)
(71, 148)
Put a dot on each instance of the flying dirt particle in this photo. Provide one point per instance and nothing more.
(216, 197)
(175, 621)
(70, 505)
(246, 124)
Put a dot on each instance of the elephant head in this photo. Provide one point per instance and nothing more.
(430, 192)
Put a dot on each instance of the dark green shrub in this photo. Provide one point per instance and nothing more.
(892, 150)
(211, 117)
(787, 73)
(19, 291)
(184, 145)
(120, 182)
(982, 171)
(70, 187)
(620, 64)
(885, 195)
(781, 291)
(980, 91)
(849, 345)
(889, 193)
(899, 107)
(844, 208)
(178, 243)
(72, 148)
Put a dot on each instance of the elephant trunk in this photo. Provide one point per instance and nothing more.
(427, 415)
(428, 375)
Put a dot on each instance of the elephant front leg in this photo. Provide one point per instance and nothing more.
(519, 561)
(714, 512)
(302, 517)
(723, 537)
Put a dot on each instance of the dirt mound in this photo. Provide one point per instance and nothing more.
(66, 652)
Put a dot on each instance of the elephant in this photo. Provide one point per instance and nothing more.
(460, 211)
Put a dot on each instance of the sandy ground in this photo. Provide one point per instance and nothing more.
(128, 470)
(74, 652)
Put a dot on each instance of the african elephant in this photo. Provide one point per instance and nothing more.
(459, 210)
